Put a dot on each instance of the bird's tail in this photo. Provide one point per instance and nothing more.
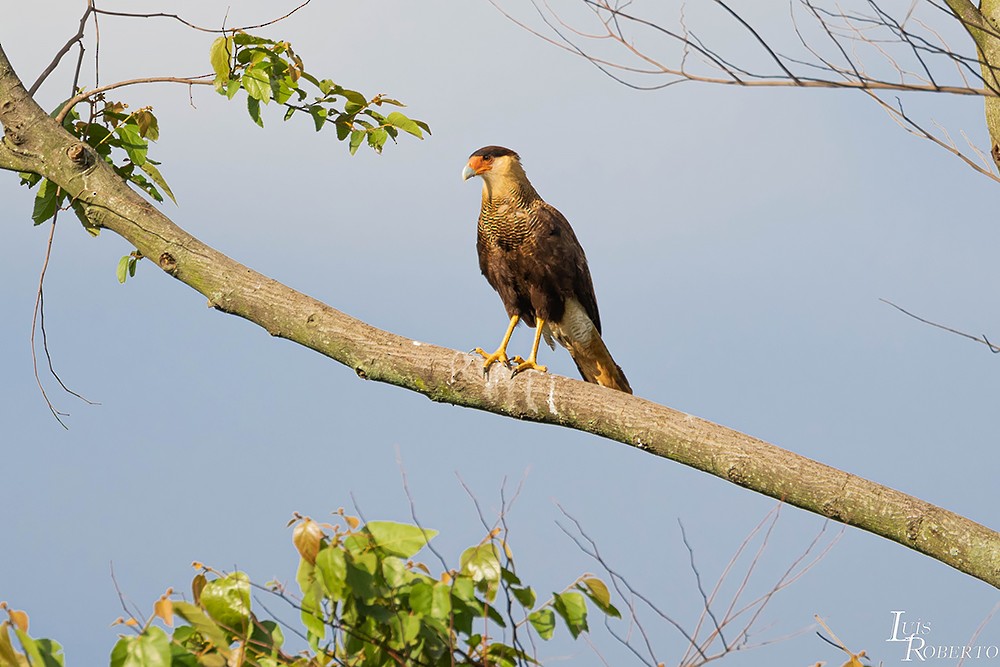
(596, 365)
(577, 333)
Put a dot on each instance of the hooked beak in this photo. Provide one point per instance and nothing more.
(476, 166)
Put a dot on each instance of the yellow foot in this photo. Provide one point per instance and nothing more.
(500, 355)
(526, 365)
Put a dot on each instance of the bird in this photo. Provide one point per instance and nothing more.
(530, 255)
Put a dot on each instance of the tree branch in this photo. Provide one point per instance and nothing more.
(200, 80)
(64, 50)
(450, 376)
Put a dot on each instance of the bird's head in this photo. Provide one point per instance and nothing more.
(494, 164)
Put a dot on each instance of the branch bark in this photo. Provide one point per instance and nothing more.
(34, 142)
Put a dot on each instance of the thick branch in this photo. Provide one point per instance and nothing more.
(454, 377)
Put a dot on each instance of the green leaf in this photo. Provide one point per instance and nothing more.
(253, 108)
(526, 596)
(227, 600)
(332, 567)
(431, 598)
(8, 656)
(318, 114)
(502, 654)
(144, 185)
(46, 202)
(572, 607)
(29, 179)
(360, 577)
(285, 88)
(205, 626)
(220, 55)
(269, 635)
(150, 649)
(377, 139)
(81, 214)
(481, 562)
(343, 128)
(122, 272)
(399, 539)
(598, 592)
(157, 177)
(40, 652)
(463, 588)
(404, 629)
(394, 572)
(544, 622)
(257, 83)
(357, 136)
(245, 38)
(290, 112)
(312, 618)
(404, 123)
(133, 143)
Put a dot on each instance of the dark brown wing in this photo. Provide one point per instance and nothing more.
(558, 265)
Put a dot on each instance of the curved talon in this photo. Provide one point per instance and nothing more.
(500, 355)
(531, 363)
(526, 365)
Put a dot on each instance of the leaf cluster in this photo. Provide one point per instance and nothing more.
(364, 602)
(118, 137)
(270, 71)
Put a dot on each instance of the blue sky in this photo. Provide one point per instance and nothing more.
(739, 240)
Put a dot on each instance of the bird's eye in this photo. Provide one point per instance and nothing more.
(487, 158)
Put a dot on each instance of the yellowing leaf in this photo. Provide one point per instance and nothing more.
(197, 586)
(148, 127)
(19, 619)
(164, 608)
(307, 537)
(220, 56)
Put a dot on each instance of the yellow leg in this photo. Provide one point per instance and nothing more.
(501, 353)
(531, 362)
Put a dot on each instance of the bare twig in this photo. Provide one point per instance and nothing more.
(75, 39)
(979, 630)
(700, 650)
(200, 80)
(413, 510)
(198, 27)
(993, 348)
(910, 55)
(136, 614)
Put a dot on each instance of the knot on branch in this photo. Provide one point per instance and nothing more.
(79, 155)
(832, 510)
(737, 472)
(168, 263)
(913, 527)
(11, 133)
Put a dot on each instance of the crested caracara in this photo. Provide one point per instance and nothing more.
(530, 255)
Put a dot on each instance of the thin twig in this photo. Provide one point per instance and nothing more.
(200, 80)
(64, 50)
(198, 27)
(993, 348)
(35, 319)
